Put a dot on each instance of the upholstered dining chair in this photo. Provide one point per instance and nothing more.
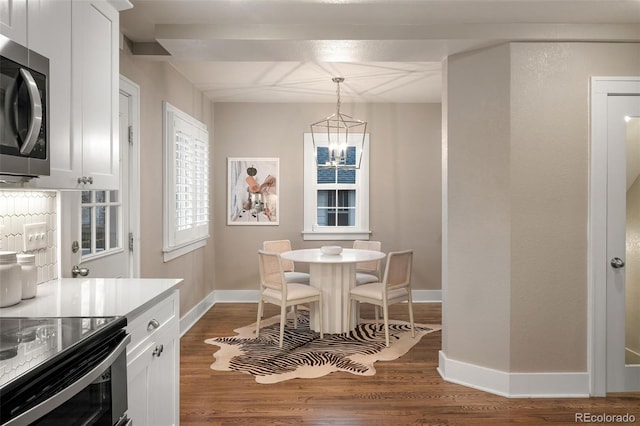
(395, 287)
(368, 272)
(290, 274)
(275, 289)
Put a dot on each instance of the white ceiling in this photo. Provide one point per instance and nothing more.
(387, 50)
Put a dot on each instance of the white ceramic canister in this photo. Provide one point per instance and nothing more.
(10, 279)
(27, 263)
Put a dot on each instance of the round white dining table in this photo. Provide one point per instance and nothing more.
(334, 276)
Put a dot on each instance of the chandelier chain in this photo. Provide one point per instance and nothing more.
(338, 95)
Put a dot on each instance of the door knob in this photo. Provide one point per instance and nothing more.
(76, 270)
(617, 263)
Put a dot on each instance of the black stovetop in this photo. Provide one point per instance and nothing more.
(27, 343)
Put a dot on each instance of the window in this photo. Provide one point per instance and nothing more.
(336, 202)
(101, 213)
(186, 188)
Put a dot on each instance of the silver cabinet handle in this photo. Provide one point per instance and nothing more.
(158, 350)
(77, 270)
(35, 103)
(153, 324)
(617, 263)
(85, 179)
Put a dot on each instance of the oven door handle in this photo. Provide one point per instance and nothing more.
(35, 103)
(70, 391)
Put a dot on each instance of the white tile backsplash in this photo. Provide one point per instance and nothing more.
(18, 208)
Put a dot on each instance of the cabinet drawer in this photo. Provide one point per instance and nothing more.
(158, 318)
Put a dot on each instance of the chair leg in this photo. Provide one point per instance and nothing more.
(259, 317)
(295, 316)
(376, 313)
(413, 330)
(283, 319)
(320, 316)
(385, 313)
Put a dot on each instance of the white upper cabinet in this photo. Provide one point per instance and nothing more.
(90, 157)
(50, 36)
(80, 39)
(95, 104)
(44, 26)
(13, 20)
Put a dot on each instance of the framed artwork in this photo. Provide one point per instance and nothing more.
(252, 197)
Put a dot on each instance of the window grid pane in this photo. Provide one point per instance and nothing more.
(336, 217)
(113, 227)
(101, 216)
(87, 229)
(336, 207)
(347, 198)
(101, 226)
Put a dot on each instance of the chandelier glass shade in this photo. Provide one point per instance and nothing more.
(338, 140)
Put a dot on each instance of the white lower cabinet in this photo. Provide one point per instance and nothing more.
(153, 365)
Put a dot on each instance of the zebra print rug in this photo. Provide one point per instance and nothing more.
(305, 355)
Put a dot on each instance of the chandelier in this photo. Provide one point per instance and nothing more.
(338, 139)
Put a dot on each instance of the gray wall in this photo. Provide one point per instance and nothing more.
(478, 244)
(405, 181)
(518, 151)
(405, 188)
(159, 82)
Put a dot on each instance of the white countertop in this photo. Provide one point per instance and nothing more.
(93, 297)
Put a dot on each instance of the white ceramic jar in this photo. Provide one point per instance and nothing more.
(10, 279)
(29, 274)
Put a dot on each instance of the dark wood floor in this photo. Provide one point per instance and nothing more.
(406, 391)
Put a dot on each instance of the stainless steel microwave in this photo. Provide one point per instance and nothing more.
(24, 111)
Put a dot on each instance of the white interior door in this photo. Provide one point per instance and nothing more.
(96, 223)
(623, 243)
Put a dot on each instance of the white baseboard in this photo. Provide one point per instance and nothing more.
(514, 385)
(248, 296)
(236, 296)
(426, 296)
(192, 317)
(251, 296)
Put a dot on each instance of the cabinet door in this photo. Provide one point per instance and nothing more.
(13, 20)
(164, 385)
(95, 99)
(153, 384)
(153, 365)
(50, 36)
(139, 378)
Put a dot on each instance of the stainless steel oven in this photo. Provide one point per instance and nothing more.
(63, 371)
(24, 111)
